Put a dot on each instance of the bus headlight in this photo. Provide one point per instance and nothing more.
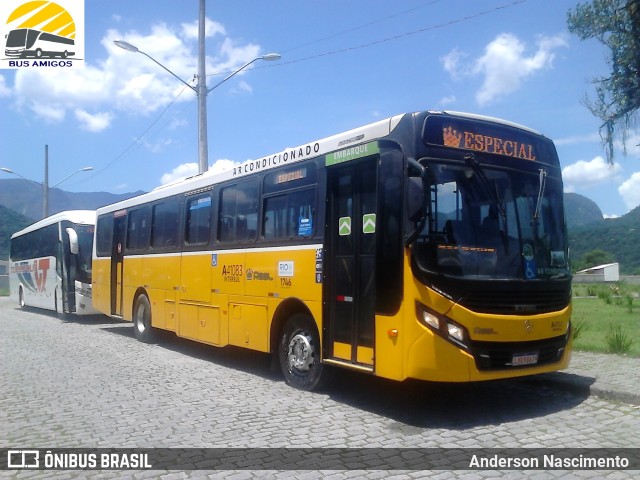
(431, 320)
(443, 326)
(456, 331)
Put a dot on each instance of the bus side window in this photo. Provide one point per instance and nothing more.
(104, 236)
(238, 213)
(138, 229)
(289, 215)
(164, 224)
(198, 220)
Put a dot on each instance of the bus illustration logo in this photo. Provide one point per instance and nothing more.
(40, 33)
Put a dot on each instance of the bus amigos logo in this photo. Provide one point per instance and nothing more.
(41, 33)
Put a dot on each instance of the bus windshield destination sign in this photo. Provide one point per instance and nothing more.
(470, 140)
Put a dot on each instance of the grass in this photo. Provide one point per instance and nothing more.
(606, 319)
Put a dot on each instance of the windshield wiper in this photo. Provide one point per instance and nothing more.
(485, 183)
(543, 184)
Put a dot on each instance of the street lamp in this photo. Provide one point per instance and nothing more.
(45, 184)
(201, 92)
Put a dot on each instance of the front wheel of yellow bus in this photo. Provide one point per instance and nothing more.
(299, 353)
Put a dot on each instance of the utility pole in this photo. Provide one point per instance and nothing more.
(45, 184)
(203, 145)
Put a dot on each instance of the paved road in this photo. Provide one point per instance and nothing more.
(87, 383)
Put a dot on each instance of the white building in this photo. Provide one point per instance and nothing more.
(609, 272)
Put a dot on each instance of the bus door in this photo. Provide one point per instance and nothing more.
(349, 287)
(117, 257)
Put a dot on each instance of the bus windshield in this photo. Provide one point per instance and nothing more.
(487, 222)
(16, 38)
(85, 247)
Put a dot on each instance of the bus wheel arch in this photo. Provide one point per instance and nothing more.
(141, 316)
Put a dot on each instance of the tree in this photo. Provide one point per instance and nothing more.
(594, 258)
(615, 23)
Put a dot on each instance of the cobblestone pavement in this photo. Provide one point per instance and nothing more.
(87, 383)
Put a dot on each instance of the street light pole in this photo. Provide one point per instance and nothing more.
(200, 89)
(45, 184)
(203, 141)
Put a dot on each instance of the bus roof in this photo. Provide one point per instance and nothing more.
(287, 156)
(485, 118)
(86, 217)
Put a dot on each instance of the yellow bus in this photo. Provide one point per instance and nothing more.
(429, 245)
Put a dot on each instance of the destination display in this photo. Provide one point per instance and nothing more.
(480, 137)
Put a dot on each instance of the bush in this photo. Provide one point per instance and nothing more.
(579, 328)
(618, 340)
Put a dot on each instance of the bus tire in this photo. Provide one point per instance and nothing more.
(142, 328)
(38, 53)
(21, 297)
(299, 353)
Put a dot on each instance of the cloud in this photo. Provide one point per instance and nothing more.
(629, 190)
(4, 90)
(504, 64)
(578, 139)
(126, 82)
(93, 123)
(186, 170)
(211, 28)
(583, 174)
(448, 100)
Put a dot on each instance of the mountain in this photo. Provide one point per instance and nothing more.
(26, 198)
(618, 236)
(21, 205)
(580, 211)
(10, 222)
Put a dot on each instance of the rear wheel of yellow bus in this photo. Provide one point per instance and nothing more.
(142, 328)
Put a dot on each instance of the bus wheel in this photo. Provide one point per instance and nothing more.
(21, 297)
(142, 328)
(299, 353)
(38, 53)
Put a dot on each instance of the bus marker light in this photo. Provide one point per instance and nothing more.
(392, 332)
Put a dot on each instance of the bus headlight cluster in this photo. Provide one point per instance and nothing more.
(443, 326)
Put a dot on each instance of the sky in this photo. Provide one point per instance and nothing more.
(345, 63)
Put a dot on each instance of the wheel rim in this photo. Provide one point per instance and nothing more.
(300, 352)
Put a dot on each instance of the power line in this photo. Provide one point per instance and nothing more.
(360, 27)
(399, 36)
(136, 141)
(467, 18)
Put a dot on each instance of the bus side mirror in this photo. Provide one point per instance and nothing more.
(73, 241)
(417, 195)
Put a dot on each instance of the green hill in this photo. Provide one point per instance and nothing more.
(618, 236)
(10, 222)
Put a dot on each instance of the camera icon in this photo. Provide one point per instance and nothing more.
(23, 459)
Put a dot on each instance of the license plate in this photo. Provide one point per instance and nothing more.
(524, 359)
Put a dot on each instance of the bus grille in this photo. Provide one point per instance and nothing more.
(517, 301)
(499, 355)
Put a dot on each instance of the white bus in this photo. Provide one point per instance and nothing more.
(28, 42)
(50, 263)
